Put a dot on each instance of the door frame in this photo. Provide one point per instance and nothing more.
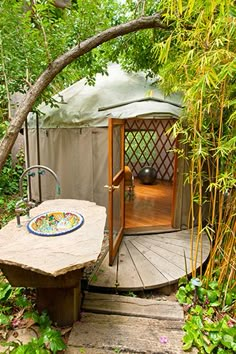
(175, 224)
(115, 182)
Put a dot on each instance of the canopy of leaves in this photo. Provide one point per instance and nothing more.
(33, 33)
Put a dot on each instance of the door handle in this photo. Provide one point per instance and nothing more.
(111, 188)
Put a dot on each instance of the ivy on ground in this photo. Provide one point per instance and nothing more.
(17, 311)
(210, 311)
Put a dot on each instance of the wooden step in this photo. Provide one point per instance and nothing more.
(132, 306)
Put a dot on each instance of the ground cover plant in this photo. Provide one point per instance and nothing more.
(210, 323)
(17, 311)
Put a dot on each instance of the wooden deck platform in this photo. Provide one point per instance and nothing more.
(149, 262)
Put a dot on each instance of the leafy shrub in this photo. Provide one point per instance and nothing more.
(10, 175)
(17, 309)
(9, 187)
(210, 325)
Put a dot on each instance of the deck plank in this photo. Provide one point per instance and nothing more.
(149, 274)
(167, 268)
(170, 255)
(166, 254)
(175, 247)
(127, 267)
(176, 253)
(177, 242)
(105, 275)
(182, 236)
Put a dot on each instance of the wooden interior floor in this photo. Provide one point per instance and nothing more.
(149, 262)
(150, 206)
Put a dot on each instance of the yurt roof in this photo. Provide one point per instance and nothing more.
(118, 95)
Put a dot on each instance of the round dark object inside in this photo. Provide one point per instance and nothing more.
(147, 175)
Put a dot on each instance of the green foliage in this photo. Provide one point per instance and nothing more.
(117, 350)
(3, 127)
(10, 175)
(131, 294)
(195, 56)
(198, 59)
(210, 313)
(16, 308)
(32, 36)
(135, 51)
(32, 347)
(9, 187)
(139, 143)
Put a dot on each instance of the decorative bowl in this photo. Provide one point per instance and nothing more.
(55, 223)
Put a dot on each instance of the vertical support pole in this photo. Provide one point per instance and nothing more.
(27, 160)
(110, 191)
(38, 157)
(122, 167)
(175, 176)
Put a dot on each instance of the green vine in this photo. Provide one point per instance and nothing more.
(17, 311)
(210, 323)
(9, 187)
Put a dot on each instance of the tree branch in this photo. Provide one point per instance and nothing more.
(59, 64)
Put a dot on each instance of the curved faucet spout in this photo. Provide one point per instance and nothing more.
(40, 167)
(25, 204)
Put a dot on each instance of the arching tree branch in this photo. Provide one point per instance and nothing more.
(59, 64)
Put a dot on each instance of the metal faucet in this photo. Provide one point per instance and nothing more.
(24, 204)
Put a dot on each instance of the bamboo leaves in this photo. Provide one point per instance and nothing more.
(198, 58)
(161, 50)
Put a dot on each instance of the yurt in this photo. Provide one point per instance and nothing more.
(71, 137)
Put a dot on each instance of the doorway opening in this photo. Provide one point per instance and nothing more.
(147, 143)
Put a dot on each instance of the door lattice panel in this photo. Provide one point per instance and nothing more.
(148, 144)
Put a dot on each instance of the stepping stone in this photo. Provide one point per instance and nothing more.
(101, 333)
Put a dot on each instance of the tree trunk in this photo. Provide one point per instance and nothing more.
(58, 65)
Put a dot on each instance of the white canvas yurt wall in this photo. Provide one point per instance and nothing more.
(79, 158)
(73, 135)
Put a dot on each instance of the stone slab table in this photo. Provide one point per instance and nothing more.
(54, 265)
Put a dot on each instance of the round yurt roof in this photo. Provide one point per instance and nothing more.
(118, 95)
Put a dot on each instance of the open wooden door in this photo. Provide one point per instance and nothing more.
(116, 215)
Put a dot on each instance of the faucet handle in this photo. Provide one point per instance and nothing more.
(31, 204)
(58, 189)
(21, 203)
(31, 174)
(41, 172)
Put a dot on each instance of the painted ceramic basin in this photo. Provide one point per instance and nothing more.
(55, 223)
